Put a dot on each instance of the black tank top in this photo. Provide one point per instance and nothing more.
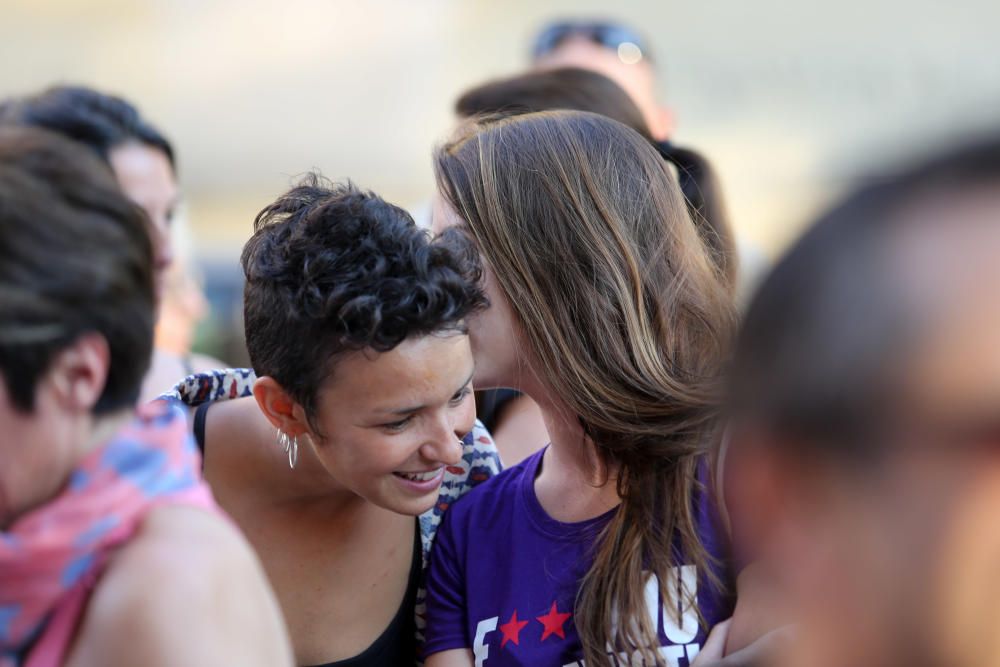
(397, 645)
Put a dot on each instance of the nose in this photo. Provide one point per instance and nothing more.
(444, 445)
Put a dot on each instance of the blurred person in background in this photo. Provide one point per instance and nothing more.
(514, 419)
(607, 310)
(182, 307)
(112, 551)
(866, 424)
(614, 50)
(143, 162)
(355, 430)
(623, 55)
(587, 90)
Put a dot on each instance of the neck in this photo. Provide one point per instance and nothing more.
(88, 433)
(570, 446)
(574, 483)
(102, 430)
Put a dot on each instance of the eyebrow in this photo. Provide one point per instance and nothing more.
(406, 411)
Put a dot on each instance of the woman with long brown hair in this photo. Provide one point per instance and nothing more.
(513, 419)
(606, 309)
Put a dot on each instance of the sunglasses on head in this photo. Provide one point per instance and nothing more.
(608, 35)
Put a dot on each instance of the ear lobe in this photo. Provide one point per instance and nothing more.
(79, 372)
(280, 409)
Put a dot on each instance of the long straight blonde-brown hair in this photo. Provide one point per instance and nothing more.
(627, 320)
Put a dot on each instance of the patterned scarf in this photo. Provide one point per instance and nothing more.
(53, 551)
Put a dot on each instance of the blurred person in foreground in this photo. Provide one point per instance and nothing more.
(112, 551)
(514, 419)
(866, 424)
(144, 164)
(339, 451)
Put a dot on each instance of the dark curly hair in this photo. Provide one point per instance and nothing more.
(332, 269)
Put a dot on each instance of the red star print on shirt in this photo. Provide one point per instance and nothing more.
(553, 622)
(512, 629)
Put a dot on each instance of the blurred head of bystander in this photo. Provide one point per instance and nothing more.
(140, 156)
(865, 450)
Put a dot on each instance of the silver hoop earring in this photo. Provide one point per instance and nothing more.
(291, 446)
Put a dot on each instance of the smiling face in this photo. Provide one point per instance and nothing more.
(391, 422)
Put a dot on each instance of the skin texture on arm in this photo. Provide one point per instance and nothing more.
(763, 651)
(187, 590)
(457, 658)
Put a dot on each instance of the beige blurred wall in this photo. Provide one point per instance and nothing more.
(790, 98)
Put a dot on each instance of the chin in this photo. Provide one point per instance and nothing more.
(409, 507)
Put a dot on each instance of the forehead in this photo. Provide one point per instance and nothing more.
(950, 262)
(416, 371)
(141, 169)
(637, 79)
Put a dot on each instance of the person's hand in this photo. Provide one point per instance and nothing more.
(760, 653)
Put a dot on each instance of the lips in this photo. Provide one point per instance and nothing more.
(419, 476)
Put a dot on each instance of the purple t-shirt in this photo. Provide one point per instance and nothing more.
(504, 575)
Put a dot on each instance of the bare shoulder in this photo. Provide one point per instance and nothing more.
(238, 424)
(186, 590)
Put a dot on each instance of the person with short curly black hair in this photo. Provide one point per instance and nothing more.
(363, 415)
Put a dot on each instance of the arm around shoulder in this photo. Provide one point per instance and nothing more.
(188, 590)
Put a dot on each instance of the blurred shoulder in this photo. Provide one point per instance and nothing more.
(187, 589)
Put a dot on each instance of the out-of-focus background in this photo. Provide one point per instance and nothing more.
(791, 99)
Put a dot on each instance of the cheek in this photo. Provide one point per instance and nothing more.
(352, 459)
(479, 325)
(162, 241)
(492, 330)
(34, 464)
(967, 579)
(466, 417)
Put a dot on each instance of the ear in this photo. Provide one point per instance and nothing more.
(782, 500)
(759, 495)
(280, 409)
(79, 372)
